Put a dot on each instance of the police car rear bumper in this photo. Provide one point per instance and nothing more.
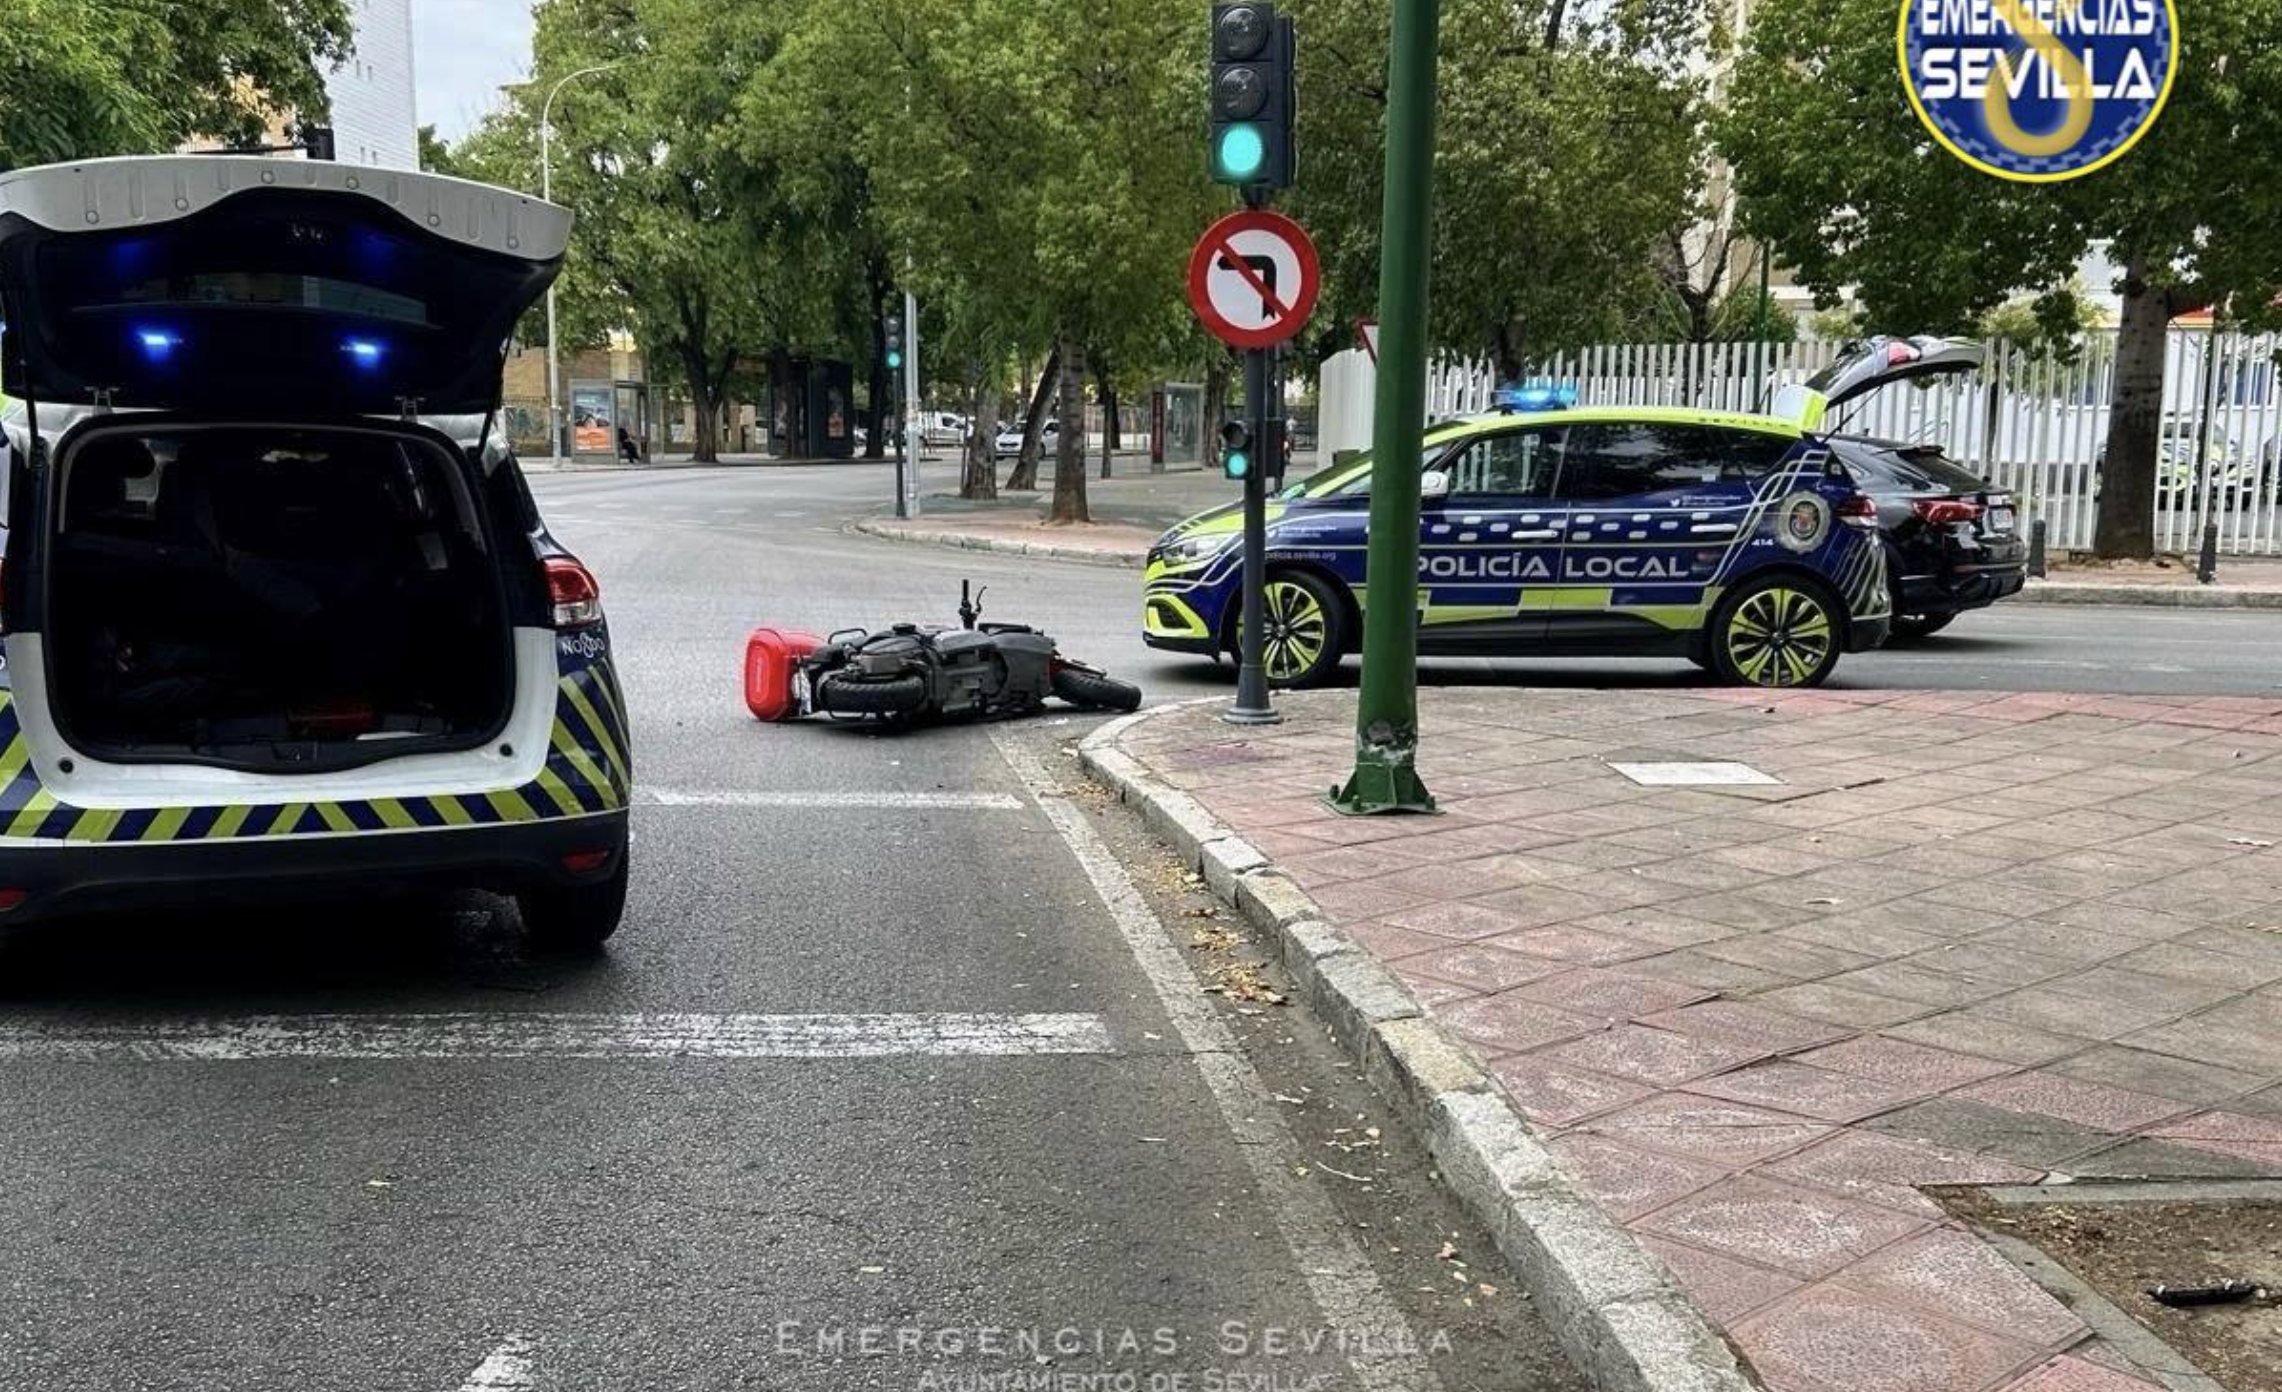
(58, 881)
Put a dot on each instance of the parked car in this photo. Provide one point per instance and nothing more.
(1952, 542)
(1008, 442)
(942, 429)
(2233, 466)
(1738, 542)
(281, 614)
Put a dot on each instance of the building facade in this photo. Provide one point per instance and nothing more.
(374, 118)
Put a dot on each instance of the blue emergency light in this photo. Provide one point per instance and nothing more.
(158, 344)
(364, 352)
(1537, 398)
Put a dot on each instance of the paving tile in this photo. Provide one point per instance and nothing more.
(2110, 981)
(1805, 1232)
(1760, 909)
(1726, 1289)
(2233, 1133)
(1538, 904)
(1435, 994)
(2260, 944)
(1730, 1134)
(2022, 1138)
(1969, 1031)
(1712, 973)
(1700, 872)
(1657, 1057)
(1888, 1170)
(1389, 943)
(2225, 1035)
(1615, 995)
(1629, 1181)
(1908, 982)
(2185, 963)
(1657, 927)
(1461, 922)
(1852, 932)
(2142, 1158)
(1566, 942)
(1478, 966)
(2068, 942)
(2182, 1080)
(1553, 1095)
(1789, 956)
(1908, 1065)
(1363, 899)
(1509, 1023)
(1328, 865)
(1858, 1010)
(1742, 1022)
(2071, 1374)
(2009, 966)
(2096, 1105)
(1815, 1092)
(2062, 1012)
(1828, 1338)
(1953, 1273)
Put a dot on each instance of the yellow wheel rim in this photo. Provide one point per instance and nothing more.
(1779, 636)
(1298, 631)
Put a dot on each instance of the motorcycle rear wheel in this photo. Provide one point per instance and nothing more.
(837, 695)
(1089, 690)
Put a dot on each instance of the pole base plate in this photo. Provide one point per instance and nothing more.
(1246, 715)
(1380, 789)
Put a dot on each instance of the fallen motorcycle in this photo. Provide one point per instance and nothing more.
(910, 674)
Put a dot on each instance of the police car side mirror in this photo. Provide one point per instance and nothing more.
(1434, 484)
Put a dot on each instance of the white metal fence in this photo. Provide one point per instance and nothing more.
(2028, 421)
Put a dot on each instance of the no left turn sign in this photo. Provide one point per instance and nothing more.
(1253, 279)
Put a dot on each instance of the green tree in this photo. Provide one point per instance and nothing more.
(85, 78)
(436, 155)
(1570, 148)
(1835, 170)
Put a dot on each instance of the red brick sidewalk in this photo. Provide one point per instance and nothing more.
(1969, 938)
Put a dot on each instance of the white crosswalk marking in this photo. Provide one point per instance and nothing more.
(563, 1035)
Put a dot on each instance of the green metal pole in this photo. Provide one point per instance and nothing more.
(1386, 713)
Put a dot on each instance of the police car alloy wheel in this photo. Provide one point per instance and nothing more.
(1305, 630)
(1779, 631)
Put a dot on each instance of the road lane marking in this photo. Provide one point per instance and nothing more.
(1388, 1357)
(506, 1369)
(563, 1035)
(932, 802)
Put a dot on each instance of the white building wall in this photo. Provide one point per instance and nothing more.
(374, 119)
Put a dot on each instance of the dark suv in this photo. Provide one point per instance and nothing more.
(1952, 542)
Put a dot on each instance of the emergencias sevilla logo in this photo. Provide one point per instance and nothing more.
(2038, 90)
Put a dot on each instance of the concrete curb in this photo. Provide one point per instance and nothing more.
(1617, 1312)
(2146, 596)
(960, 541)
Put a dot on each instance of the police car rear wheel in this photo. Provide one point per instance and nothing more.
(1305, 630)
(1782, 631)
(578, 919)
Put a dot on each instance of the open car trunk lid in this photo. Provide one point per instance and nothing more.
(239, 285)
(1865, 367)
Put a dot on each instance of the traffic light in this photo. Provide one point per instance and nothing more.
(1252, 96)
(1236, 449)
(891, 332)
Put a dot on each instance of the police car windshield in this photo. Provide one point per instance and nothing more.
(1353, 478)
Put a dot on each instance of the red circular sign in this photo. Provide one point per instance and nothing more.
(1253, 279)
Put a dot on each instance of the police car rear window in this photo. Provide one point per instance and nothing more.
(1906, 468)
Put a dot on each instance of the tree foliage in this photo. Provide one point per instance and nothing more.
(85, 78)
(1835, 170)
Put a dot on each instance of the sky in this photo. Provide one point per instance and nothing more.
(462, 52)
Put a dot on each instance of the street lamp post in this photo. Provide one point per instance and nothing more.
(558, 429)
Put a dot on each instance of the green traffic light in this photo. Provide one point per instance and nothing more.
(1241, 154)
(1237, 464)
(894, 357)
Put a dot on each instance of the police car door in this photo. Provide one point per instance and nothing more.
(1490, 546)
(1653, 509)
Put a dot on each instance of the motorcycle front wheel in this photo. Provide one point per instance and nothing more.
(1090, 690)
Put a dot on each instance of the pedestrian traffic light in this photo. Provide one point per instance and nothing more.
(1252, 96)
(891, 333)
(1236, 449)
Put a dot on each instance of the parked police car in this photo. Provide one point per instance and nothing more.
(1554, 530)
(279, 608)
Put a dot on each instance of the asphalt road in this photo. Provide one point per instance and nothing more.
(794, 516)
(874, 1090)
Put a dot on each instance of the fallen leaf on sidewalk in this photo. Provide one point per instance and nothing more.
(1359, 1179)
(2247, 841)
(1242, 981)
(1449, 1252)
(1812, 902)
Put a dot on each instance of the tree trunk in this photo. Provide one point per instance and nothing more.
(978, 473)
(1070, 450)
(1106, 394)
(2125, 529)
(1215, 404)
(879, 287)
(704, 405)
(1025, 475)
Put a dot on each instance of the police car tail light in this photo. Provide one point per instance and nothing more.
(1858, 511)
(1943, 512)
(572, 590)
